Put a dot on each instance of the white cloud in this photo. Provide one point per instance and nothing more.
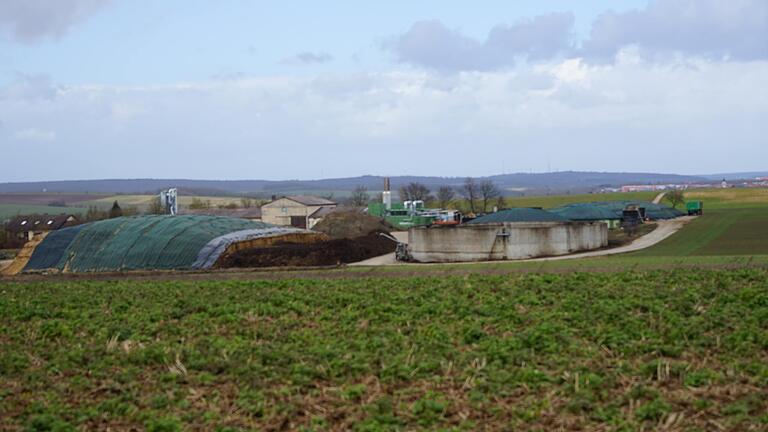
(35, 135)
(736, 29)
(30, 88)
(306, 58)
(663, 31)
(629, 115)
(433, 45)
(31, 20)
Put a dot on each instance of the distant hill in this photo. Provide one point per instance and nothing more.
(736, 176)
(512, 184)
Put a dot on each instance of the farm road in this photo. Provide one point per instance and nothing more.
(659, 197)
(664, 229)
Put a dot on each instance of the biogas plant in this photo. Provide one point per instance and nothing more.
(437, 235)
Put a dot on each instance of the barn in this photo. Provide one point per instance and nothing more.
(300, 211)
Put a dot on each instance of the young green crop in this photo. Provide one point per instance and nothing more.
(616, 351)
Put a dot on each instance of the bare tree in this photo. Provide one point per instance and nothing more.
(675, 197)
(470, 192)
(95, 214)
(246, 202)
(198, 204)
(414, 192)
(359, 197)
(403, 192)
(501, 204)
(488, 193)
(155, 207)
(115, 211)
(445, 195)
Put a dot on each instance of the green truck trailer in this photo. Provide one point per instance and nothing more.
(694, 207)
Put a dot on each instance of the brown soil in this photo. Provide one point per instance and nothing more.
(348, 224)
(332, 252)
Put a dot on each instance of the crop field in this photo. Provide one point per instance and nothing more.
(142, 201)
(9, 211)
(736, 231)
(582, 351)
(730, 198)
(45, 198)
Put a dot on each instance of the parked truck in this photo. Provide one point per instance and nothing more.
(694, 208)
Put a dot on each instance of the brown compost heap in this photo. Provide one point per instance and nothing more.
(354, 237)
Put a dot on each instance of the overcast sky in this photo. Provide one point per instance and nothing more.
(239, 89)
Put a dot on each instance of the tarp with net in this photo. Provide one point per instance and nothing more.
(586, 212)
(599, 210)
(519, 215)
(143, 242)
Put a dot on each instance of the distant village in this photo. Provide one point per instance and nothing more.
(757, 182)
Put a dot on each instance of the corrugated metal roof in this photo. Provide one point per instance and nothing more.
(310, 200)
(519, 215)
(322, 212)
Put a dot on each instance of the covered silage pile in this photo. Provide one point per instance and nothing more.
(151, 243)
(599, 210)
(586, 212)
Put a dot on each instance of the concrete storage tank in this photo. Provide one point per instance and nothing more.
(504, 240)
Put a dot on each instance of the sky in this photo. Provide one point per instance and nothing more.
(239, 89)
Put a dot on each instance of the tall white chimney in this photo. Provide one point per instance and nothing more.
(386, 196)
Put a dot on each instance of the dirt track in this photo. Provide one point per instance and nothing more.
(663, 230)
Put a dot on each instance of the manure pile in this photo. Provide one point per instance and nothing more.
(331, 252)
(348, 224)
(354, 237)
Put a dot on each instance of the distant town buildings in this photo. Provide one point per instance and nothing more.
(25, 227)
(642, 188)
(723, 184)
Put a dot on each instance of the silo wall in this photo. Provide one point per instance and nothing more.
(504, 241)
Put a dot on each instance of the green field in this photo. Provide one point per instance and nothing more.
(735, 231)
(580, 351)
(142, 201)
(730, 198)
(9, 211)
(550, 201)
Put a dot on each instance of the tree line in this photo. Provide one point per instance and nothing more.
(479, 197)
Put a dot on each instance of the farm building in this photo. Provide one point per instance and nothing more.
(25, 227)
(156, 243)
(296, 211)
